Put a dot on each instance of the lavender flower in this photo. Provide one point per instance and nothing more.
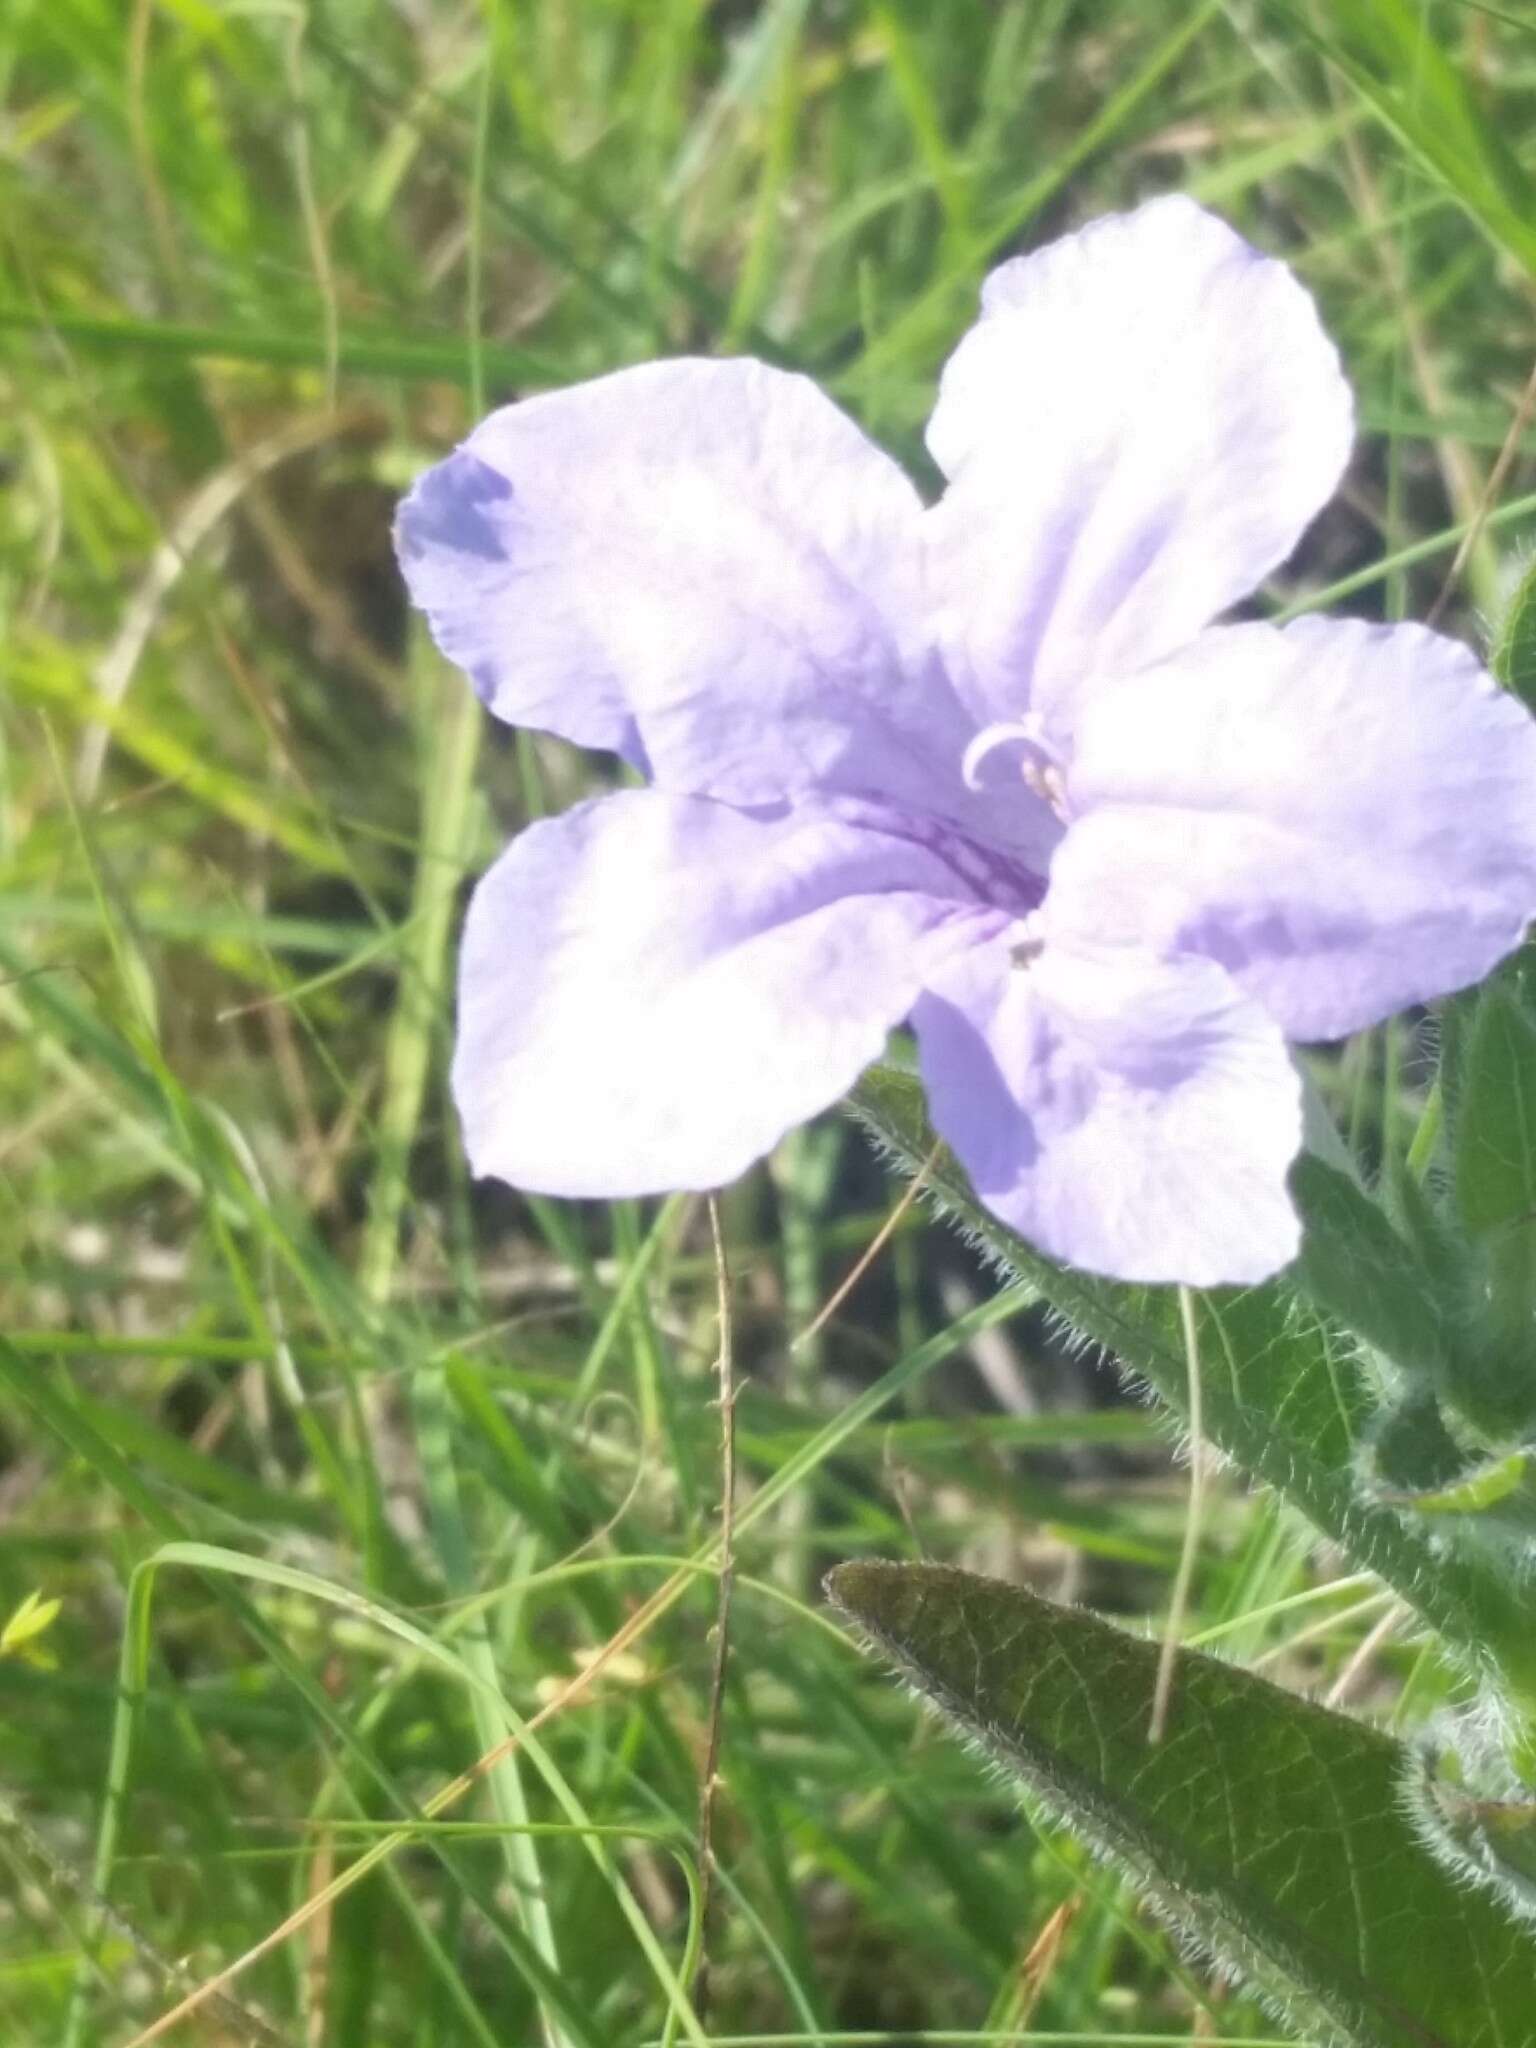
(985, 766)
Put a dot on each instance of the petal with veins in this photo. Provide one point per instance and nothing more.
(1342, 815)
(1134, 1116)
(1137, 431)
(705, 567)
(653, 989)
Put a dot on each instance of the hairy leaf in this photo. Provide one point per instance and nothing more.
(1286, 1397)
(1413, 1454)
(1272, 1831)
(1495, 1191)
(1496, 1127)
(1433, 1308)
(1512, 656)
(1355, 1266)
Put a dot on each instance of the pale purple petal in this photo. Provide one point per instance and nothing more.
(653, 989)
(872, 729)
(469, 551)
(1344, 815)
(1137, 431)
(704, 566)
(1131, 1115)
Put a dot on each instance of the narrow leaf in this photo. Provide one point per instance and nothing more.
(1387, 51)
(1495, 1195)
(1496, 1124)
(1355, 1266)
(1268, 1829)
(1431, 1307)
(33, 1618)
(1512, 656)
(359, 355)
(1412, 1453)
(1486, 1487)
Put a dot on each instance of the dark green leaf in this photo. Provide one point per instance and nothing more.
(1495, 1193)
(1513, 654)
(1286, 1398)
(1433, 1308)
(1496, 1125)
(1411, 1450)
(1494, 1838)
(1355, 1266)
(1272, 1831)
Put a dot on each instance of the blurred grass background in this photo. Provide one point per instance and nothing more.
(339, 1468)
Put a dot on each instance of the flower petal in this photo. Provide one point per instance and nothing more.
(1137, 430)
(1343, 815)
(653, 989)
(704, 566)
(1131, 1115)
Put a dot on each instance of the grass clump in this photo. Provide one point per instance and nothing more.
(339, 1470)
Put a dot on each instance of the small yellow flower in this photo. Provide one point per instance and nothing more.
(19, 1637)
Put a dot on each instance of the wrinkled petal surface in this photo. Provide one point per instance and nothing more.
(1131, 1115)
(653, 989)
(704, 566)
(1137, 430)
(1343, 815)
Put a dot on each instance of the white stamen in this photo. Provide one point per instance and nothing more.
(1025, 731)
(1040, 770)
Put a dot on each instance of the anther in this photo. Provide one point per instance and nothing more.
(1023, 732)
(1039, 769)
(1026, 951)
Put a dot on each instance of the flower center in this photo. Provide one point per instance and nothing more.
(1040, 767)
